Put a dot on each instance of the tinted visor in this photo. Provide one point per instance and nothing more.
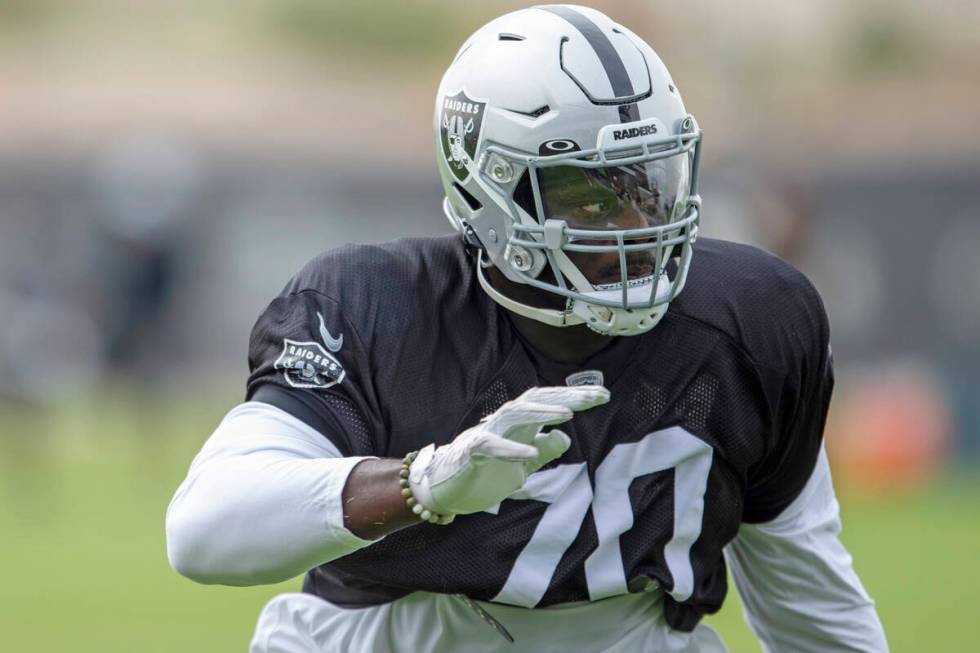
(632, 196)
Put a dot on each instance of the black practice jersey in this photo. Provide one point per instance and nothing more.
(716, 419)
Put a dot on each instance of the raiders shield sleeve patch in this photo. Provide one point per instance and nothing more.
(308, 365)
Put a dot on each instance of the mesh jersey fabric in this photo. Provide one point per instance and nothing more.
(741, 362)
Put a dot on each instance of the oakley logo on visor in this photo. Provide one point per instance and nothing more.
(557, 146)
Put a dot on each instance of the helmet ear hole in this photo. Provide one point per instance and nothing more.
(524, 195)
(467, 197)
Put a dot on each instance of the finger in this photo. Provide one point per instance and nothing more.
(518, 414)
(580, 397)
(493, 446)
(550, 446)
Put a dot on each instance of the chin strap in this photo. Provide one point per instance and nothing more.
(548, 316)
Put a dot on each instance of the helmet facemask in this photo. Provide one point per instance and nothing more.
(608, 229)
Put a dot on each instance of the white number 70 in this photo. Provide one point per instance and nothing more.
(570, 494)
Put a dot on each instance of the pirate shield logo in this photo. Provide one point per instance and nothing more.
(460, 125)
(308, 365)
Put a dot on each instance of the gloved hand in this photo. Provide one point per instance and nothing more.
(486, 463)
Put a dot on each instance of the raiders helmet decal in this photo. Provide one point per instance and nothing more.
(460, 124)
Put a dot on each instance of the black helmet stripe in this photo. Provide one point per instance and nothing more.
(611, 62)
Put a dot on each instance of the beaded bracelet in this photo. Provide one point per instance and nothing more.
(424, 513)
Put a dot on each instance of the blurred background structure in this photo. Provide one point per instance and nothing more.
(166, 165)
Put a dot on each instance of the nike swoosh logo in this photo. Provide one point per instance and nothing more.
(333, 344)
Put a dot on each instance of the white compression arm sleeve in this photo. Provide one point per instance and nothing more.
(261, 502)
(796, 581)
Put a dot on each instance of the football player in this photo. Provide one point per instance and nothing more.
(524, 436)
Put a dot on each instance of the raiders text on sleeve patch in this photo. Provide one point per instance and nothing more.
(308, 365)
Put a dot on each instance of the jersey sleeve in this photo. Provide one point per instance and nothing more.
(306, 358)
(797, 582)
(220, 529)
(800, 413)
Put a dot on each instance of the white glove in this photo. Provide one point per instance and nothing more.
(485, 464)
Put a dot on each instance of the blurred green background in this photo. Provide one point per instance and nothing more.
(85, 488)
(166, 165)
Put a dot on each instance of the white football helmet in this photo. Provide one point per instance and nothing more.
(568, 159)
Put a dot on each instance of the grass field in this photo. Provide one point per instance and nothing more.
(83, 492)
